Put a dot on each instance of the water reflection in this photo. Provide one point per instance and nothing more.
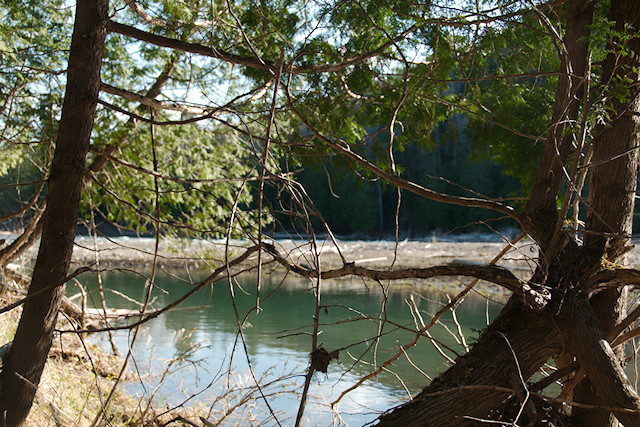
(204, 331)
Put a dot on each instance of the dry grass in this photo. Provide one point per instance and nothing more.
(74, 383)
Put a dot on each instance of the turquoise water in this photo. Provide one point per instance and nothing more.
(194, 353)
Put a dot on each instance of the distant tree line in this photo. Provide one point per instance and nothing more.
(353, 203)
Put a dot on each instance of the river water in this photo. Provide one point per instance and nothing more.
(194, 354)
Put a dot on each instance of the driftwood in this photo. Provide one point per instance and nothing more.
(87, 318)
(95, 318)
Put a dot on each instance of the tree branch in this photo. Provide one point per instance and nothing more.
(536, 298)
(248, 61)
(32, 233)
(151, 102)
(183, 108)
(198, 286)
(586, 341)
(346, 151)
(619, 275)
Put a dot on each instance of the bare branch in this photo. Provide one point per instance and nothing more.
(164, 105)
(619, 275)
(198, 286)
(491, 273)
(139, 10)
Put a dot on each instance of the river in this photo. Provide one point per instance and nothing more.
(195, 354)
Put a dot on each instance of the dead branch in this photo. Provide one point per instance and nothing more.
(613, 274)
(210, 279)
(536, 297)
(185, 108)
(144, 15)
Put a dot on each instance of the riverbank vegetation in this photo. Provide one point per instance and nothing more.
(72, 382)
(238, 121)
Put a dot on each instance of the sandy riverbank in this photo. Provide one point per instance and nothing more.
(126, 252)
(173, 254)
(138, 252)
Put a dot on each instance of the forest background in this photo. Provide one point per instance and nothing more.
(461, 148)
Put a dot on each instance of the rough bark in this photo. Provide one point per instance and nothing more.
(584, 338)
(611, 197)
(570, 320)
(615, 153)
(609, 307)
(541, 210)
(25, 362)
(490, 364)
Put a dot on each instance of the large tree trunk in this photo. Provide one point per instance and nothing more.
(514, 346)
(474, 387)
(541, 211)
(23, 368)
(612, 194)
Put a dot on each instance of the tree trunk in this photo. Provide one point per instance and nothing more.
(474, 388)
(469, 390)
(541, 211)
(611, 196)
(21, 373)
(585, 340)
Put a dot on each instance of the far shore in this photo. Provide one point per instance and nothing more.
(139, 253)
